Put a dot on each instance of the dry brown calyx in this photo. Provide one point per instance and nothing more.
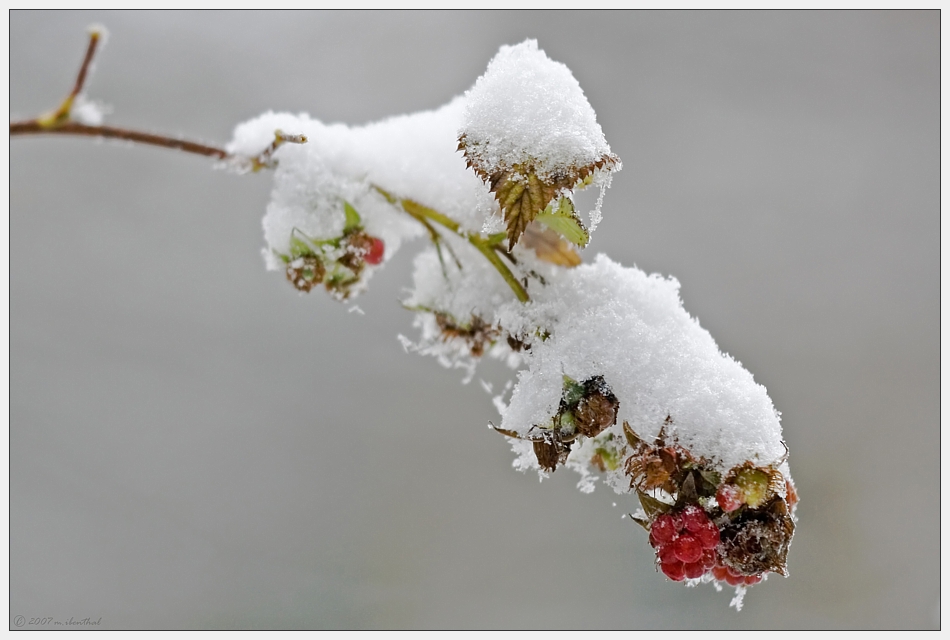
(586, 409)
(758, 540)
(306, 273)
(477, 334)
(667, 466)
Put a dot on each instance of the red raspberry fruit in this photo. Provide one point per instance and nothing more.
(688, 548)
(720, 572)
(729, 497)
(678, 521)
(663, 529)
(708, 535)
(673, 570)
(734, 580)
(667, 555)
(753, 579)
(694, 570)
(709, 558)
(694, 518)
(375, 253)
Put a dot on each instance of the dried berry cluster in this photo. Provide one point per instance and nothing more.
(337, 263)
(586, 409)
(476, 333)
(735, 530)
(731, 529)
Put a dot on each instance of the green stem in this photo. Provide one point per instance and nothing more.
(487, 246)
(489, 252)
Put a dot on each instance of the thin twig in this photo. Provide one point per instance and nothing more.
(94, 37)
(60, 121)
(63, 112)
(28, 127)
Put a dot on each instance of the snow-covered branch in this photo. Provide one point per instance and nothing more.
(616, 381)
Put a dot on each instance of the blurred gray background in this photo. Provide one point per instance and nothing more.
(195, 445)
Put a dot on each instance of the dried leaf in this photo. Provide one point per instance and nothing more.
(640, 521)
(632, 438)
(651, 506)
(507, 432)
(550, 246)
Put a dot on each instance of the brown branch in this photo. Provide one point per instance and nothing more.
(61, 122)
(64, 111)
(34, 127)
(94, 38)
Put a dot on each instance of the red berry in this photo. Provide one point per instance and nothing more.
(678, 521)
(720, 572)
(708, 535)
(688, 548)
(694, 570)
(694, 518)
(734, 580)
(729, 497)
(375, 253)
(753, 579)
(666, 554)
(709, 558)
(663, 529)
(673, 570)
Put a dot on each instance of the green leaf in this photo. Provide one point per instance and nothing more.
(300, 247)
(571, 393)
(710, 482)
(564, 220)
(353, 220)
(609, 456)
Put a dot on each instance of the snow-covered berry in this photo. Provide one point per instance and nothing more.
(664, 529)
(729, 497)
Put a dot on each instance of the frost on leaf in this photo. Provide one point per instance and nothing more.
(531, 135)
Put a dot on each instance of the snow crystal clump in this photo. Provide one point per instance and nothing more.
(411, 156)
(526, 107)
(606, 320)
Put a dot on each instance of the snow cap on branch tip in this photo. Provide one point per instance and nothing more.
(530, 133)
